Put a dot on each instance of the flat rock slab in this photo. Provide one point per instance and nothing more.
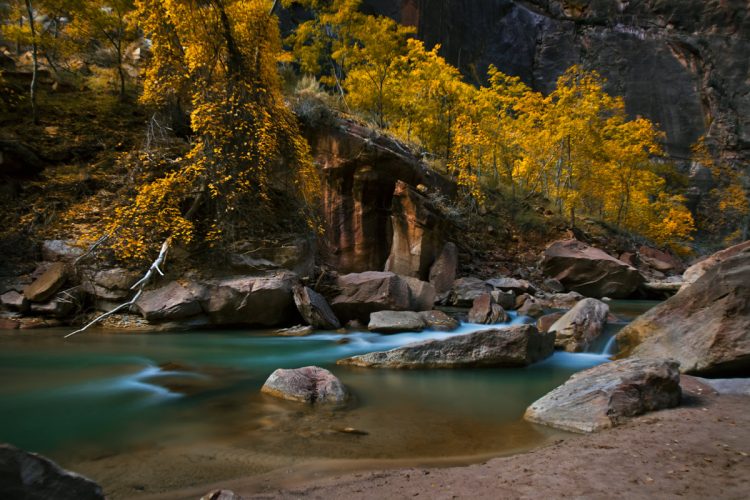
(606, 395)
(310, 384)
(738, 386)
(47, 284)
(503, 347)
(30, 476)
(396, 322)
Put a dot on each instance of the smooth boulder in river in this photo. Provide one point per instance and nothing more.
(310, 384)
(590, 271)
(705, 326)
(30, 476)
(606, 395)
(580, 326)
(515, 346)
(396, 322)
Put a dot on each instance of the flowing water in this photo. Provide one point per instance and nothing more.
(144, 413)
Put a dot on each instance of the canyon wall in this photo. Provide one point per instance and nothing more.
(685, 64)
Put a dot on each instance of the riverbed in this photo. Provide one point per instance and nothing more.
(149, 413)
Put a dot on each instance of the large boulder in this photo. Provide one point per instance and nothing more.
(310, 384)
(396, 322)
(485, 311)
(606, 395)
(697, 270)
(417, 233)
(30, 476)
(659, 260)
(443, 270)
(46, 285)
(314, 309)
(514, 285)
(580, 326)
(174, 301)
(252, 300)
(590, 271)
(515, 346)
(361, 294)
(706, 326)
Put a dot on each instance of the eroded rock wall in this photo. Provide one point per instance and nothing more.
(682, 63)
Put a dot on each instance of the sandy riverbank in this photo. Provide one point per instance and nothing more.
(699, 450)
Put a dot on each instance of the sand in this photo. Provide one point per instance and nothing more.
(698, 450)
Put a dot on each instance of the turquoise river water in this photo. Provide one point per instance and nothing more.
(150, 413)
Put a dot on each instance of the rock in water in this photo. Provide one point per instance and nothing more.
(706, 326)
(396, 322)
(606, 395)
(515, 346)
(314, 309)
(364, 293)
(580, 326)
(30, 476)
(438, 320)
(47, 284)
(465, 290)
(590, 271)
(485, 311)
(310, 384)
(544, 323)
(295, 331)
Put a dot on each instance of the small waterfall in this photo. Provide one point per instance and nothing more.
(609, 346)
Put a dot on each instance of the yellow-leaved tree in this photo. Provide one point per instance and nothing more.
(220, 56)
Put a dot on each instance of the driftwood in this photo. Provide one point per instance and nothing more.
(138, 285)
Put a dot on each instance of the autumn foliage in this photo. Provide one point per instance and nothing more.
(575, 147)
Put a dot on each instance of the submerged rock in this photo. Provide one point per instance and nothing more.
(515, 346)
(706, 326)
(590, 271)
(295, 331)
(606, 395)
(580, 326)
(485, 311)
(396, 322)
(30, 476)
(310, 384)
(314, 309)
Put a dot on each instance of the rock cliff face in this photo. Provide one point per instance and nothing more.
(681, 63)
(369, 193)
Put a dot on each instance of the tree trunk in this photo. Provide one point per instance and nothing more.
(35, 63)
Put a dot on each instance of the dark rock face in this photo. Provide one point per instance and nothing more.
(30, 476)
(314, 309)
(681, 63)
(606, 395)
(360, 172)
(18, 160)
(364, 293)
(589, 271)
(705, 326)
(580, 326)
(515, 346)
(310, 384)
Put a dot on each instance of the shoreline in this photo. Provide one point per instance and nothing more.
(698, 450)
